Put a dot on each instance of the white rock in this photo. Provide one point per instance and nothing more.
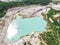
(51, 20)
(57, 15)
(11, 31)
(56, 6)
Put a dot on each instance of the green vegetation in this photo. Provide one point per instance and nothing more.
(6, 5)
(42, 2)
(24, 43)
(52, 37)
(56, 24)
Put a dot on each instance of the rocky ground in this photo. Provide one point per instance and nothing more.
(35, 38)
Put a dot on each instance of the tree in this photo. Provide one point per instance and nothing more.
(43, 2)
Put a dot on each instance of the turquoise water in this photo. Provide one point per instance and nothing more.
(26, 26)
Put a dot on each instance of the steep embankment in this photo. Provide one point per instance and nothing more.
(46, 38)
